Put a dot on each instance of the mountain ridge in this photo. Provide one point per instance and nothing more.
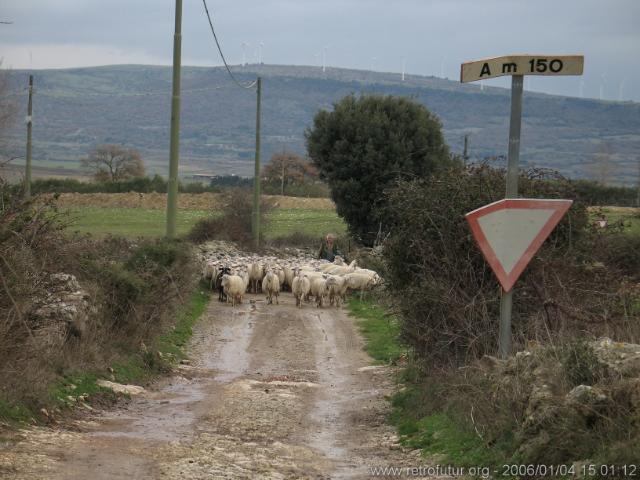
(75, 109)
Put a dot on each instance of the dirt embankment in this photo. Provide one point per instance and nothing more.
(186, 201)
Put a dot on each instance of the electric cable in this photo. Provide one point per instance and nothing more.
(240, 84)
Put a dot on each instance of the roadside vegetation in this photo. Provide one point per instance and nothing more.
(569, 392)
(77, 308)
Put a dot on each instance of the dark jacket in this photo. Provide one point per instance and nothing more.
(329, 254)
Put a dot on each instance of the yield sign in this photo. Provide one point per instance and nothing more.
(510, 232)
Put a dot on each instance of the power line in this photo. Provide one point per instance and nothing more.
(241, 85)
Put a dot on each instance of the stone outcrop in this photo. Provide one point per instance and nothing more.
(555, 408)
(61, 311)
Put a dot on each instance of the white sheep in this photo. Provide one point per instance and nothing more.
(337, 287)
(279, 271)
(300, 287)
(288, 276)
(319, 289)
(341, 269)
(256, 273)
(209, 273)
(271, 286)
(338, 261)
(359, 281)
(234, 287)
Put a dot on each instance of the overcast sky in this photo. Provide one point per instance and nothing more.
(434, 36)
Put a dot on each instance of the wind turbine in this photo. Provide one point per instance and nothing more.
(404, 64)
(244, 51)
(602, 80)
(621, 89)
(260, 52)
(324, 57)
(373, 63)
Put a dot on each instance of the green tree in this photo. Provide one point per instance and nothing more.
(364, 145)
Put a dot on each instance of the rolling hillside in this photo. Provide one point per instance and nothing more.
(76, 109)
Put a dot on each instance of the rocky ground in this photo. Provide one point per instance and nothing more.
(271, 391)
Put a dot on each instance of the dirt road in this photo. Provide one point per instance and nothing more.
(271, 392)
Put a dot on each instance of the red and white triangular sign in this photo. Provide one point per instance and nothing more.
(510, 232)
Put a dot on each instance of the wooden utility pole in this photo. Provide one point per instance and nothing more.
(465, 155)
(256, 177)
(638, 186)
(282, 176)
(174, 159)
(27, 170)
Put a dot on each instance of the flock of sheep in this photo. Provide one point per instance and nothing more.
(322, 280)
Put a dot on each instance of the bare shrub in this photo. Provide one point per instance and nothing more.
(296, 239)
(114, 163)
(235, 222)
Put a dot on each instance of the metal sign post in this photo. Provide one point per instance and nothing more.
(517, 66)
(513, 159)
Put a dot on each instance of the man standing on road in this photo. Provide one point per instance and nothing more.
(329, 249)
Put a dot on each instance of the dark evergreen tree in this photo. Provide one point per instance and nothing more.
(365, 144)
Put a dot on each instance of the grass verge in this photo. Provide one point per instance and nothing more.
(435, 434)
(380, 330)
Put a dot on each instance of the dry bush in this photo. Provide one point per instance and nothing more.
(133, 290)
(524, 407)
(449, 298)
(235, 222)
(296, 239)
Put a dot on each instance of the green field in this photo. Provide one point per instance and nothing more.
(628, 217)
(128, 222)
(138, 222)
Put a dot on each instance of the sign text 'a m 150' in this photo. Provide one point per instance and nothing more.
(521, 65)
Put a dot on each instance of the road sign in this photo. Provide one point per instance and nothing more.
(509, 232)
(521, 65)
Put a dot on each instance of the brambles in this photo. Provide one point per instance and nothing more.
(235, 221)
(449, 297)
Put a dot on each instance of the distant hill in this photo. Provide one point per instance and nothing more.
(76, 109)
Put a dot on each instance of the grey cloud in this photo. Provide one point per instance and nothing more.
(432, 34)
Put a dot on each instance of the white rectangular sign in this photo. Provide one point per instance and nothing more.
(521, 65)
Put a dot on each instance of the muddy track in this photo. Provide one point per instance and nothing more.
(271, 392)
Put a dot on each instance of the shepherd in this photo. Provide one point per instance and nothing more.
(329, 250)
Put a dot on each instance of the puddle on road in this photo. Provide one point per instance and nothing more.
(231, 359)
(169, 413)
